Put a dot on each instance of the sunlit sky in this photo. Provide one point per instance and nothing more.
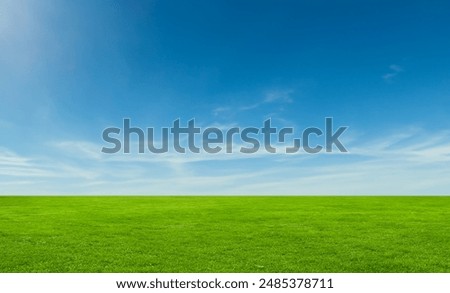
(69, 69)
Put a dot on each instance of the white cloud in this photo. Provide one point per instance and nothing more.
(250, 107)
(411, 162)
(219, 110)
(279, 96)
(272, 96)
(395, 70)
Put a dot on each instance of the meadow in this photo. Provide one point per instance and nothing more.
(225, 234)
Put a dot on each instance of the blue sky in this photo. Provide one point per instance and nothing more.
(69, 69)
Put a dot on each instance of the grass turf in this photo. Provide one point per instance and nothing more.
(224, 234)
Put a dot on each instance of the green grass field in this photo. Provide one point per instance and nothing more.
(224, 234)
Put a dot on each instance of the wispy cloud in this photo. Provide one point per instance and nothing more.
(410, 161)
(284, 96)
(274, 96)
(219, 110)
(394, 71)
(250, 107)
(269, 97)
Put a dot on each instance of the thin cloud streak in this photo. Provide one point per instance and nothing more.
(395, 71)
(272, 96)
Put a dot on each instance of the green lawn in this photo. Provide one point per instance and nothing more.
(224, 234)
